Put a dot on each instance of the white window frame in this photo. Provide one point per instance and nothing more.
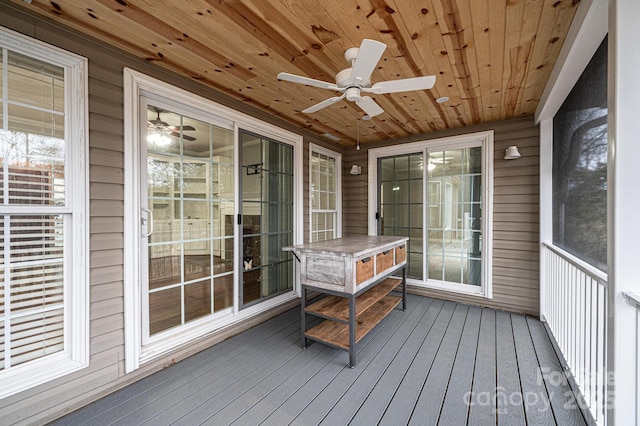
(75, 354)
(483, 139)
(313, 148)
(135, 84)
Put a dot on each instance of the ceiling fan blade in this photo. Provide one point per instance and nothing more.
(368, 57)
(369, 106)
(177, 128)
(403, 85)
(308, 81)
(183, 136)
(158, 123)
(324, 104)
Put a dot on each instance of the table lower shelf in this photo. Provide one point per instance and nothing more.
(337, 333)
(336, 307)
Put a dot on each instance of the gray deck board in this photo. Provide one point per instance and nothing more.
(438, 362)
(535, 399)
(217, 359)
(210, 390)
(509, 392)
(309, 393)
(563, 404)
(359, 391)
(389, 336)
(427, 409)
(482, 400)
(454, 409)
(372, 409)
(404, 401)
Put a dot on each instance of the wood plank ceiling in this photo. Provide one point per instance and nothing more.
(492, 58)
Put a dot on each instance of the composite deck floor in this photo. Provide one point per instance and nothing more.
(438, 362)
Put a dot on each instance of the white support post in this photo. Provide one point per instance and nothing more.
(624, 209)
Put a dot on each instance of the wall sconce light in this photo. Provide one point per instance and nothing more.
(355, 170)
(512, 153)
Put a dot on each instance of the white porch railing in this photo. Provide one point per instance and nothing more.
(634, 300)
(574, 305)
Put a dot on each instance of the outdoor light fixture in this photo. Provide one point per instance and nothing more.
(355, 170)
(512, 153)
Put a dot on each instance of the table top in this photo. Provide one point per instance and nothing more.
(354, 245)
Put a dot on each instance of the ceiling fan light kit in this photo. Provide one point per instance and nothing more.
(159, 131)
(357, 79)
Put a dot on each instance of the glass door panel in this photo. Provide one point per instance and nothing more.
(189, 187)
(454, 216)
(267, 218)
(451, 211)
(401, 205)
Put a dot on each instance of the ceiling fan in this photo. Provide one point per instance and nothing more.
(357, 79)
(164, 127)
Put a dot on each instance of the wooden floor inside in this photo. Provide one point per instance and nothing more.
(438, 362)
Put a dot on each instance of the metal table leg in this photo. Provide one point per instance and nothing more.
(404, 287)
(352, 330)
(303, 318)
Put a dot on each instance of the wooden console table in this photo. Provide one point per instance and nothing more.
(355, 274)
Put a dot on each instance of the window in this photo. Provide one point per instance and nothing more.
(324, 194)
(43, 297)
(437, 193)
(580, 166)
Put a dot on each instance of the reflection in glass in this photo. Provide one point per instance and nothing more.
(401, 204)
(190, 192)
(267, 217)
(197, 300)
(454, 215)
(452, 212)
(165, 309)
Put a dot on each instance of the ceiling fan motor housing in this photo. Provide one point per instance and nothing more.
(343, 79)
(353, 94)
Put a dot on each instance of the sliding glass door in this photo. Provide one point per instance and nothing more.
(189, 185)
(267, 218)
(435, 197)
(191, 219)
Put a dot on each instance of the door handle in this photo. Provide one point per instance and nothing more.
(149, 222)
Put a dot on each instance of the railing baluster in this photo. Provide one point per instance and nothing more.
(575, 310)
